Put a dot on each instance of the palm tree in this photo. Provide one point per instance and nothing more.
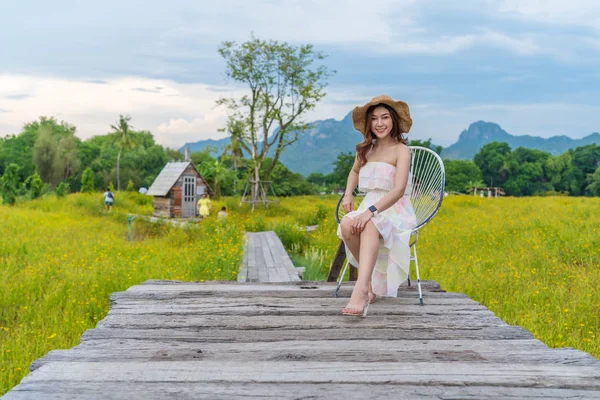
(124, 138)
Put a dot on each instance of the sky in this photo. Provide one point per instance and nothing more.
(532, 66)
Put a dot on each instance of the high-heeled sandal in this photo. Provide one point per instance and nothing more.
(354, 312)
(372, 297)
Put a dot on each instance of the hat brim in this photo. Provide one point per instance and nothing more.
(359, 113)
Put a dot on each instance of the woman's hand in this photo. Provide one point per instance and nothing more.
(348, 203)
(359, 223)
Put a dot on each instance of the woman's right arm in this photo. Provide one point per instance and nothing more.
(348, 202)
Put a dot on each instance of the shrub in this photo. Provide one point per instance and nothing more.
(34, 185)
(87, 181)
(62, 189)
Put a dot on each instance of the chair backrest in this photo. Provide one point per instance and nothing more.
(427, 177)
(426, 186)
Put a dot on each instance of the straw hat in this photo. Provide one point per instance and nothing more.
(359, 114)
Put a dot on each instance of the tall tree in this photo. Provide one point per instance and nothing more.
(492, 162)
(44, 152)
(284, 83)
(124, 138)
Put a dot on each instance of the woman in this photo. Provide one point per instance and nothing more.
(204, 206)
(381, 169)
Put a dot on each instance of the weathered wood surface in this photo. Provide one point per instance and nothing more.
(265, 260)
(219, 340)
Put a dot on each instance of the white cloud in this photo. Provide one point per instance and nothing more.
(582, 13)
(93, 107)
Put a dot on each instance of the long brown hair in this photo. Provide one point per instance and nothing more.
(365, 146)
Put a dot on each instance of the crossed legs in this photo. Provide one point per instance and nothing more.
(365, 248)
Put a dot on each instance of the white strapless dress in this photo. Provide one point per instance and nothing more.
(376, 179)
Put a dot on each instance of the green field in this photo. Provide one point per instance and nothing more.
(533, 261)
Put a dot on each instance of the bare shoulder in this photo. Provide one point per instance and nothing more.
(402, 152)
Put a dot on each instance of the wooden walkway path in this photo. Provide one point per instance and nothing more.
(265, 260)
(217, 340)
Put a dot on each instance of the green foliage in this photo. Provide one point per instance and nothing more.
(55, 151)
(87, 181)
(342, 166)
(62, 189)
(9, 184)
(111, 187)
(593, 180)
(460, 175)
(130, 187)
(34, 186)
(491, 161)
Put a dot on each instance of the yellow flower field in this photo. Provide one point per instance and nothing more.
(533, 261)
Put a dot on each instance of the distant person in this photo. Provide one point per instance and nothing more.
(109, 197)
(222, 215)
(143, 190)
(204, 206)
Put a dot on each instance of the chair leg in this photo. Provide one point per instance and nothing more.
(341, 279)
(411, 258)
(418, 277)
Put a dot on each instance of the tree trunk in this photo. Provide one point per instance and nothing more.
(256, 184)
(119, 170)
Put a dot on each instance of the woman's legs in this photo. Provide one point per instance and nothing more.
(352, 240)
(369, 249)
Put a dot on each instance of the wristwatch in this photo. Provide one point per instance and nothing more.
(373, 209)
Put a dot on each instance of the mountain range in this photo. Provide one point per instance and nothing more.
(318, 148)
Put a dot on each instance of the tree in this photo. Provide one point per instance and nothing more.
(87, 181)
(593, 180)
(44, 153)
(55, 152)
(124, 138)
(9, 184)
(342, 166)
(284, 83)
(460, 174)
(491, 160)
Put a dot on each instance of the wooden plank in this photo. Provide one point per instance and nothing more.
(287, 306)
(285, 322)
(196, 335)
(261, 266)
(435, 373)
(271, 267)
(487, 351)
(252, 266)
(285, 391)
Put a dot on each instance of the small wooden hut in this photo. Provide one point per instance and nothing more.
(176, 190)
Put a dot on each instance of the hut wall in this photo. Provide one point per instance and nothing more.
(162, 207)
(177, 200)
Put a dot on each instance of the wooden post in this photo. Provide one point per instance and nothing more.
(338, 264)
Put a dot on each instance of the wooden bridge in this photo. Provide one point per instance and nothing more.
(265, 260)
(227, 340)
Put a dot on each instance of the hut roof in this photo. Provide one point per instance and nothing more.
(167, 178)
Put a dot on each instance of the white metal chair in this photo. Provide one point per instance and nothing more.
(427, 192)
